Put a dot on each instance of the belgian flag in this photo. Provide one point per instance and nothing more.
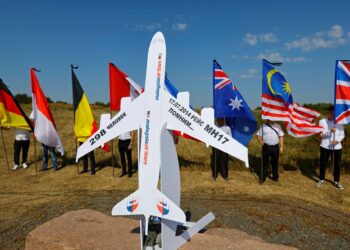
(11, 114)
(84, 123)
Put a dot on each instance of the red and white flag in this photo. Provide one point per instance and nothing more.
(121, 85)
(44, 124)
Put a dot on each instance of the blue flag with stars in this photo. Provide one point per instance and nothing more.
(229, 104)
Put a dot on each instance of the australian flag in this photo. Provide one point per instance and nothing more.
(342, 92)
(229, 104)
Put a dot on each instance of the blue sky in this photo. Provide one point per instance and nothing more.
(308, 36)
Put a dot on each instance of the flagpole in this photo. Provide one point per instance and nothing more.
(262, 136)
(333, 135)
(215, 171)
(112, 150)
(262, 155)
(76, 149)
(214, 151)
(3, 141)
(72, 66)
(35, 159)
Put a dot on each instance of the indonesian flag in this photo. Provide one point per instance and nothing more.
(44, 128)
(121, 85)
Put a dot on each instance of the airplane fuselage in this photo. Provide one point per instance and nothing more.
(151, 127)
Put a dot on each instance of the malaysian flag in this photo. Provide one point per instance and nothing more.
(278, 104)
(342, 92)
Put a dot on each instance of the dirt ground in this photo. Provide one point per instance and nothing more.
(292, 212)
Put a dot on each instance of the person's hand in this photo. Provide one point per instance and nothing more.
(333, 130)
(281, 150)
(130, 146)
(334, 142)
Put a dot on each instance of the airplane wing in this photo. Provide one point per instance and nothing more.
(179, 116)
(126, 120)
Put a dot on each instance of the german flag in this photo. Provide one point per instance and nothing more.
(84, 123)
(11, 114)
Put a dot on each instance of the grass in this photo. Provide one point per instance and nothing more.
(298, 171)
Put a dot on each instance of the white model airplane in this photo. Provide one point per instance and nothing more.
(155, 111)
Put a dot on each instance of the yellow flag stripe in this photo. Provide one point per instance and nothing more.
(11, 119)
(84, 120)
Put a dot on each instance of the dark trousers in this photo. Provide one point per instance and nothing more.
(123, 146)
(270, 152)
(18, 146)
(324, 157)
(85, 158)
(219, 163)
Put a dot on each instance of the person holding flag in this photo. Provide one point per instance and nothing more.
(230, 105)
(45, 128)
(84, 123)
(12, 115)
(219, 161)
(121, 85)
(278, 105)
(22, 142)
(331, 138)
(270, 136)
(333, 130)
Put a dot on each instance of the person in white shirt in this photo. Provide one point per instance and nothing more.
(22, 141)
(125, 148)
(219, 163)
(331, 138)
(270, 135)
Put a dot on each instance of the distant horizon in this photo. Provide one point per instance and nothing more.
(107, 103)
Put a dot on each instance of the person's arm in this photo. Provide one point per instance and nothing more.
(325, 133)
(281, 144)
(132, 140)
(339, 135)
(259, 136)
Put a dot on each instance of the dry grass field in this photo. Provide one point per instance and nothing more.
(292, 211)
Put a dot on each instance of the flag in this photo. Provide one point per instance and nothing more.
(278, 104)
(11, 114)
(170, 87)
(44, 124)
(342, 92)
(121, 85)
(84, 123)
(173, 91)
(229, 104)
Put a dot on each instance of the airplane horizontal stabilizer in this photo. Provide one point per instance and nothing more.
(155, 204)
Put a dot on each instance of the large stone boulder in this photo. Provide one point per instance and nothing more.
(88, 229)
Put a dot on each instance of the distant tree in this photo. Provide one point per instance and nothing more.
(320, 107)
(23, 98)
(61, 102)
(98, 103)
(49, 99)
